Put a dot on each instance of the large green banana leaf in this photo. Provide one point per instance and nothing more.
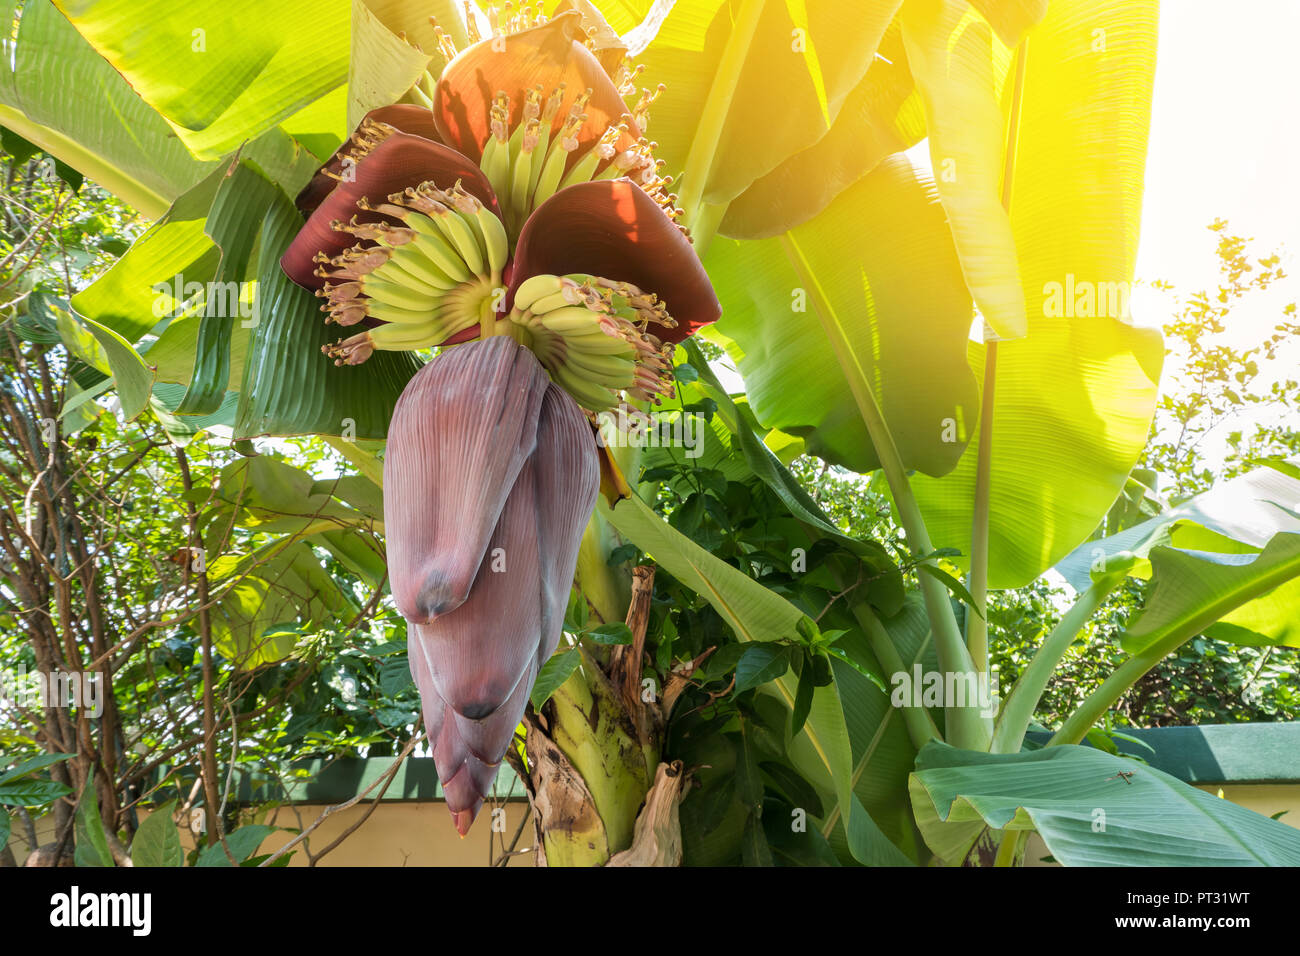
(960, 70)
(1074, 398)
(876, 267)
(881, 116)
(884, 114)
(748, 84)
(57, 92)
(1088, 815)
(1237, 516)
(1201, 547)
(220, 73)
(1248, 599)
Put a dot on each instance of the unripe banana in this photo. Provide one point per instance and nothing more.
(539, 160)
(584, 168)
(396, 315)
(431, 241)
(393, 272)
(496, 164)
(521, 176)
(586, 393)
(575, 318)
(601, 344)
(398, 295)
(411, 259)
(611, 371)
(552, 171)
(462, 238)
(393, 337)
(535, 288)
(495, 239)
(549, 303)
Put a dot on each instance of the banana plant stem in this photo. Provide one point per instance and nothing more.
(1096, 704)
(966, 728)
(1013, 722)
(977, 627)
(919, 725)
(1009, 848)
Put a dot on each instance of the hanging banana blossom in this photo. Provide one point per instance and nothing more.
(520, 216)
(482, 545)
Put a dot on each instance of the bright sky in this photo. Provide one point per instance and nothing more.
(1225, 142)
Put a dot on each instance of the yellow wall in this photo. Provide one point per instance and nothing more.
(421, 834)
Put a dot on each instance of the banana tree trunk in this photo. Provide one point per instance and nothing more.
(599, 792)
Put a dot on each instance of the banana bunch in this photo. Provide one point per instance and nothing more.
(424, 281)
(529, 165)
(590, 334)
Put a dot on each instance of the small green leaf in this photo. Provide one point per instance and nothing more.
(840, 653)
(554, 673)
(395, 676)
(622, 554)
(158, 842)
(614, 633)
(242, 843)
(24, 767)
(92, 845)
(802, 699)
(32, 793)
(759, 664)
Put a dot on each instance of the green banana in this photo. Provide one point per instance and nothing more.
(397, 337)
(549, 303)
(610, 370)
(587, 394)
(584, 168)
(601, 344)
(521, 176)
(539, 160)
(393, 272)
(575, 318)
(548, 181)
(462, 238)
(396, 315)
(495, 240)
(535, 288)
(412, 259)
(496, 163)
(401, 296)
(431, 241)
